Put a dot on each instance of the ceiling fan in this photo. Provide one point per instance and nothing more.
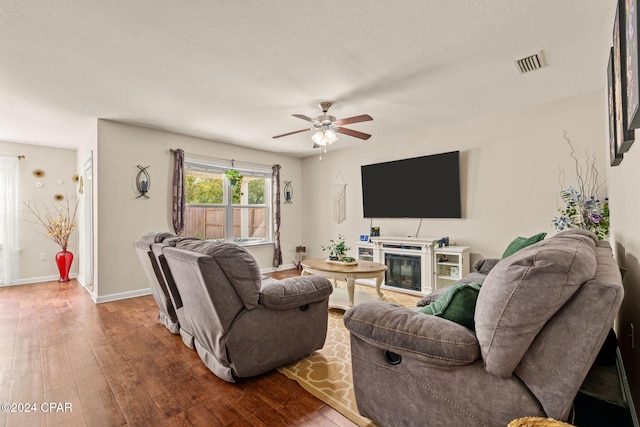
(327, 126)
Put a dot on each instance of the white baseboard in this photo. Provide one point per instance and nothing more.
(31, 280)
(120, 296)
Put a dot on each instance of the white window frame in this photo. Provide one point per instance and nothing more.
(248, 170)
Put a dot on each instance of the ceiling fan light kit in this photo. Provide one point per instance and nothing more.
(327, 127)
(324, 137)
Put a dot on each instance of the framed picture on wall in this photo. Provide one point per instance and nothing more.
(616, 157)
(624, 136)
(630, 13)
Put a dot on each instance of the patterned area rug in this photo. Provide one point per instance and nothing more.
(327, 372)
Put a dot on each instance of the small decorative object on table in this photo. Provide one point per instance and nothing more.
(59, 222)
(337, 248)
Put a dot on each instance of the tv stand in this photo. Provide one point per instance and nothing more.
(415, 265)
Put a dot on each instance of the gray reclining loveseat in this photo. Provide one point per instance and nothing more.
(541, 317)
(244, 324)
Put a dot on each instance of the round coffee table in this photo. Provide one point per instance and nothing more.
(350, 273)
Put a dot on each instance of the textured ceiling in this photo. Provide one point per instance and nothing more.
(235, 71)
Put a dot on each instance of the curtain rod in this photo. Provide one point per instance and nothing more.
(232, 161)
(21, 156)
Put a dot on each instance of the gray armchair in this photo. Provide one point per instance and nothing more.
(245, 324)
(541, 317)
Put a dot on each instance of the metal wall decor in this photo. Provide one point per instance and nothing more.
(288, 192)
(143, 181)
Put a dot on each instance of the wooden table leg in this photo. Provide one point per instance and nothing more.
(379, 280)
(351, 284)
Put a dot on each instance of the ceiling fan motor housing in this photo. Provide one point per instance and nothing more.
(325, 119)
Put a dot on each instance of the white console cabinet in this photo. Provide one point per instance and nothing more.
(415, 265)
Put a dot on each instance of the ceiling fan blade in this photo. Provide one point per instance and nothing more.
(291, 133)
(303, 117)
(354, 133)
(355, 119)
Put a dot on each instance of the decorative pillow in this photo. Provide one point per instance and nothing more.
(458, 304)
(484, 265)
(522, 242)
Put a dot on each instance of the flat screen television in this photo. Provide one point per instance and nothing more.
(420, 187)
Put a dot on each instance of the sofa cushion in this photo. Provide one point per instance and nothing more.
(457, 304)
(523, 291)
(522, 242)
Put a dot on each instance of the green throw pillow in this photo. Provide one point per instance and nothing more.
(521, 243)
(457, 304)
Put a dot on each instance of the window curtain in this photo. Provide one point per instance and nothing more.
(179, 202)
(9, 167)
(277, 250)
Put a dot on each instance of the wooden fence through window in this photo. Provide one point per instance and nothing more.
(208, 223)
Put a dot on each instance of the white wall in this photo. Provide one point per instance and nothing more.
(509, 173)
(59, 165)
(624, 193)
(123, 218)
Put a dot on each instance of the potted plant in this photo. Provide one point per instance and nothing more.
(337, 248)
(235, 179)
(59, 221)
(234, 176)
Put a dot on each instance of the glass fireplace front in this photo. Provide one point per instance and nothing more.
(403, 271)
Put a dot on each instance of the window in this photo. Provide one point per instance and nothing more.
(219, 209)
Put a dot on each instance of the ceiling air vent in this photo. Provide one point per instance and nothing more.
(530, 63)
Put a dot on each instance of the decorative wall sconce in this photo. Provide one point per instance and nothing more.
(143, 181)
(288, 192)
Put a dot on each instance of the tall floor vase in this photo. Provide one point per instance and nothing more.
(64, 259)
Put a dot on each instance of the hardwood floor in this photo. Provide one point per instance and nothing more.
(114, 364)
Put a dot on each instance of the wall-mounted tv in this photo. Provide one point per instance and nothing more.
(420, 187)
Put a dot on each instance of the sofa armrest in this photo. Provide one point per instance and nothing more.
(412, 334)
(294, 292)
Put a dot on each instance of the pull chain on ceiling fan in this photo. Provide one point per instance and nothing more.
(326, 127)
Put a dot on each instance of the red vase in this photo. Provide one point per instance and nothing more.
(64, 259)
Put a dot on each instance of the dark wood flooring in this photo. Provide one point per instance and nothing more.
(71, 362)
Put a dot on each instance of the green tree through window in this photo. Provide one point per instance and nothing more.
(202, 190)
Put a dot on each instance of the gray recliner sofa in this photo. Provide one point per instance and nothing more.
(245, 324)
(541, 317)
